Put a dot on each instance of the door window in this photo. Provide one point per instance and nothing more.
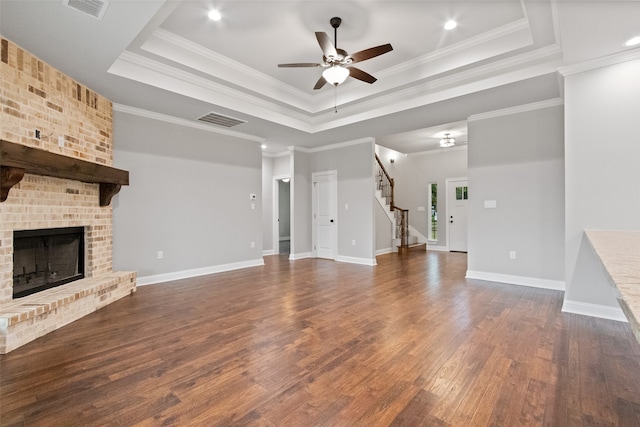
(461, 193)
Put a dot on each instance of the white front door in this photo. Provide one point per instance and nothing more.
(457, 200)
(325, 214)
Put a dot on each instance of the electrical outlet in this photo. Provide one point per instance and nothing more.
(512, 255)
(253, 244)
(61, 141)
(160, 254)
(353, 243)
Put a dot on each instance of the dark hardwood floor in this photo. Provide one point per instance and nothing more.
(314, 342)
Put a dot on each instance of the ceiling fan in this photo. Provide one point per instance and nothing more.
(338, 62)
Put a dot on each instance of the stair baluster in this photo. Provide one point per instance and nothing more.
(386, 186)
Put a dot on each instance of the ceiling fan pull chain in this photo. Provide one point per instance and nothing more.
(335, 99)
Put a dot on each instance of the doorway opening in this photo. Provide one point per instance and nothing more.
(282, 215)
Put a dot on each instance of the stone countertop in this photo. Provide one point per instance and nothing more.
(619, 252)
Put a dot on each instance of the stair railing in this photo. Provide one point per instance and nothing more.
(384, 182)
(402, 226)
(386, 185)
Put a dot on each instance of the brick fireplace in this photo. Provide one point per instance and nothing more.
(74, 122)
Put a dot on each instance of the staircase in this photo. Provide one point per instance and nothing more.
(403, 242)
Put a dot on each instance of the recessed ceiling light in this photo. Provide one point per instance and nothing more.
(450, 24)
(263, 146)
(214, 15)
(633, 42)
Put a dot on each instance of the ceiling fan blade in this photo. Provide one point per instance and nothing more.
(300, 64)
(371, 53)
(326, 45)
(321, 82)
(357, 73)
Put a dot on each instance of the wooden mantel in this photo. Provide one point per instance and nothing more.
(17, 159)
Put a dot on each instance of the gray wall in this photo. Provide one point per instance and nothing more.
(354, 164)
(267, 205)
(301, 205)
(282, 165)
(188, 197)
(412, 174)
(518, 161)
(602, 173)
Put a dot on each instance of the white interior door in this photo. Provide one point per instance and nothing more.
(457, 200)
(325, 214)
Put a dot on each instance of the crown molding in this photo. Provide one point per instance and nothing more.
(439, 150)
(177, 49)
(278, 154)
(183, 122)
(149, 71)
(504, 31)
(604, 61)
(343, 144)
(516, 110)
(333, 146)
(526, 65)
(504, 39)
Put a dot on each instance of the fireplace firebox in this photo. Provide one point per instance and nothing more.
(46, 258)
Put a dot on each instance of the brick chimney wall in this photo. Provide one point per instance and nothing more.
(36, 96)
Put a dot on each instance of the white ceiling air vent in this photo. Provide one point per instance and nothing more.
(220, 120)
(95, 8)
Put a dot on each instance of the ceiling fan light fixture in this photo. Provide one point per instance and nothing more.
(335, 74)
(447, 141)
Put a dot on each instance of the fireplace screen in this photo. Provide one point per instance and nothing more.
(47, 258)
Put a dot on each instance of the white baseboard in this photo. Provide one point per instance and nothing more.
(354, 260)
(283, 238)
(185, 274)
(384, 251)
(301, 255)
(557, 285)
(594, 310)
(268, 252)
(436, 248)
